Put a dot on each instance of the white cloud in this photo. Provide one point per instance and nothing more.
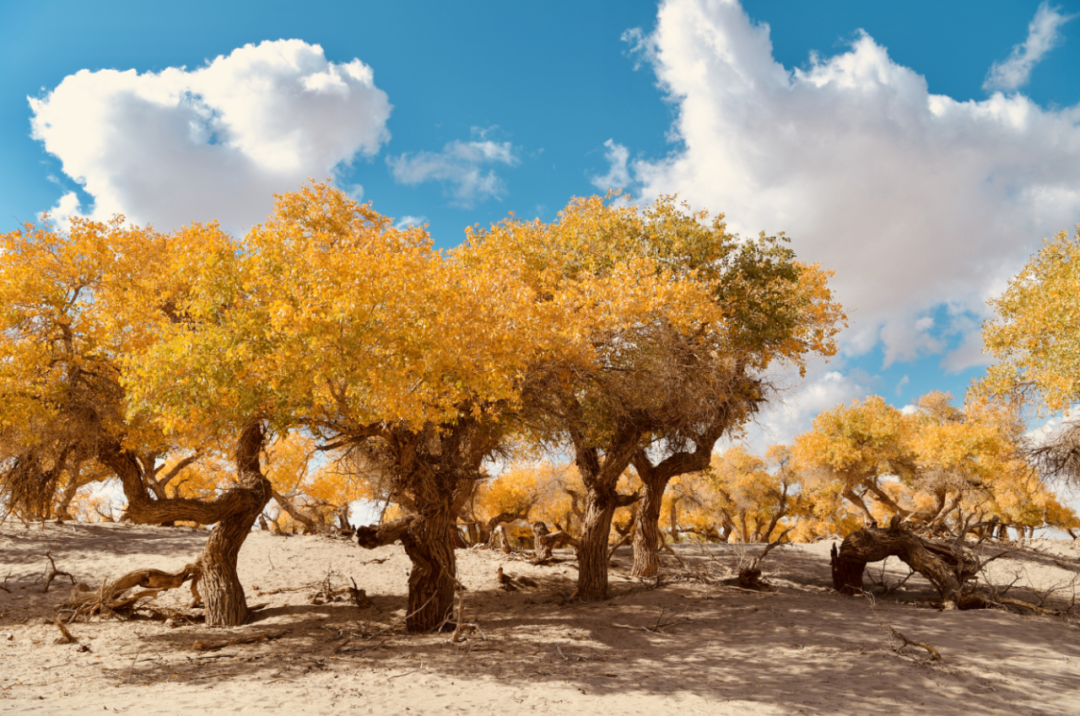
(406, 222)
(1042, 37)
(916, 200)
(902, 384)
(969, 354)
(215, 142)
(618, 176)
(793, 411)
(460, 167)
(66, 207)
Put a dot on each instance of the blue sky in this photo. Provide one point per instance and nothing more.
(877, 135)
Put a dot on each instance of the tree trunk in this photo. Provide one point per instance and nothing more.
(63, 505)
(647, 531)
(939, 563)
(429, 544)
(854, 498)
(292, 510)
(544, 541)
(219, 584)
(232, 513)
(673, 521)
(592, 553)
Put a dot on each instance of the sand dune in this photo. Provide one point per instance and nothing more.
(802, 649)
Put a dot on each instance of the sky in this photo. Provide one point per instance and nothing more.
(921, 150)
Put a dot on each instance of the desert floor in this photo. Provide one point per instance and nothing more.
(801, 649)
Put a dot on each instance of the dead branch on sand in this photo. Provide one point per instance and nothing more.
(53, 573)
(659, 626)
(750, 575)
(112, 599)
(251, 639)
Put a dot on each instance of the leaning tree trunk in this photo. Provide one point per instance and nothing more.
(647, 531)
(219, 583)
(63, 504)
(945, 567)
(592, 550)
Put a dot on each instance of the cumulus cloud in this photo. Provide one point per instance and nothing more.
(211, 143)
(459, 167)
(914, 199)
(1042, 37)
(618, 176)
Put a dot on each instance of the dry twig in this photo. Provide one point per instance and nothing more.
(54, 573)
(252, 639)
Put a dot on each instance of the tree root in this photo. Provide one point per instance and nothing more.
(66, 637)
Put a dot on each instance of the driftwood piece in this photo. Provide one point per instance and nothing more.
(512, 582)
(112, 599)
(946, 566)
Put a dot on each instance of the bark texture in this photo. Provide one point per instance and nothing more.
(432, 581)
(646, 539)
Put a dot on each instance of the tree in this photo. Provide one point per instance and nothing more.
(860, 445)
(362, 334)
(1037, 346)
(675, 320)
(752, 500)
(79, 308)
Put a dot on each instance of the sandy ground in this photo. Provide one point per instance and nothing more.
(800, 650)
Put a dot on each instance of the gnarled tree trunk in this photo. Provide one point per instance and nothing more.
(429, 544)
(233, 513)
(592, 550)
(946, 567)
(428, 541)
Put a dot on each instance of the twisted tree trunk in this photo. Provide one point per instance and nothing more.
(233, 513)
(592, 549)
(428, 541)
(219, 583)
(945, 566)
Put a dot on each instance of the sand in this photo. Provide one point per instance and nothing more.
(800, 650)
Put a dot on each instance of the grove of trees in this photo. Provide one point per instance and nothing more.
(578, 375)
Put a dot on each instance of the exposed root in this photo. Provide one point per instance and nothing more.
(934, 655)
